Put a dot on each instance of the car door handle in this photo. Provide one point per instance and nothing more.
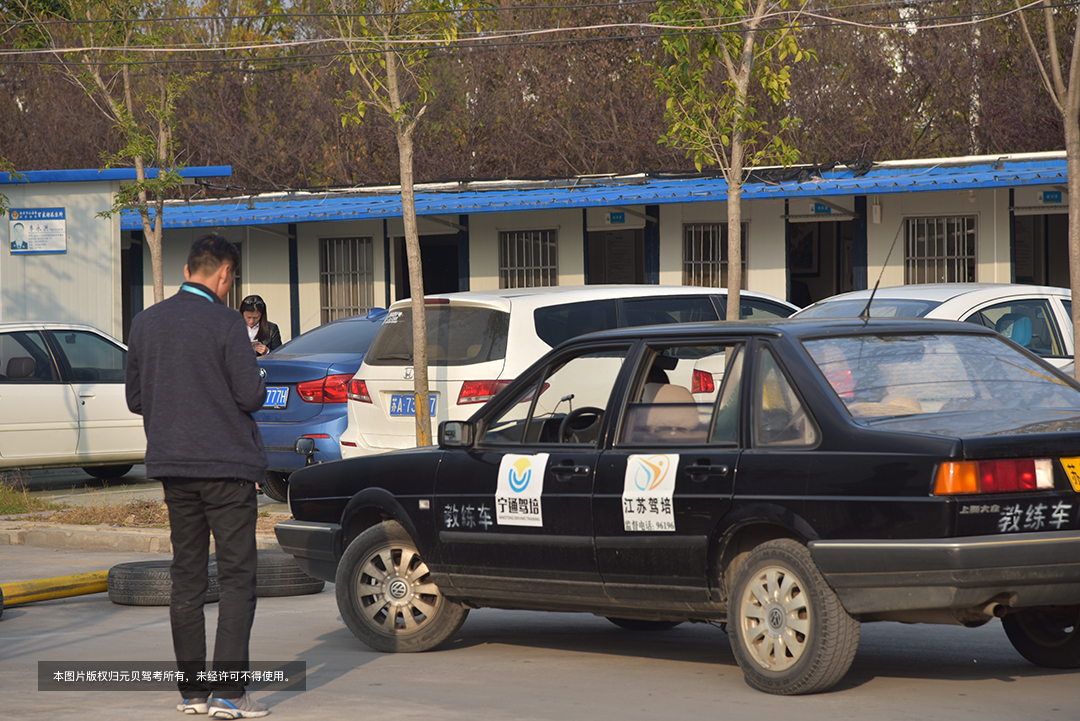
(701, 472)
(564, 472)
(87, 394)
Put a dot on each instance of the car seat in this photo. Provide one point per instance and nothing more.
(1015, 327)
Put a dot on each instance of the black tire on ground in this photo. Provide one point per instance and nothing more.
(1048, 636)
(276, 486)
(106, 473)
(147, 583)
(789, 632)
(386, 596)
(637, 624)
(279, 575)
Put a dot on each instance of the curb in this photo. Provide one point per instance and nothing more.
(99, 538)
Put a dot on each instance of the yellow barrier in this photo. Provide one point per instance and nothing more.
(46, 589)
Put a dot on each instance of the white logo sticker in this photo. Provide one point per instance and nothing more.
(517, 496)
(647, 491)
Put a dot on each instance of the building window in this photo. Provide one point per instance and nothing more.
(528, 258)
(705, 254)
(346, 277)
(236, 293)
(940, 250)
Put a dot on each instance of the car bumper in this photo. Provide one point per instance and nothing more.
(279, 437)
(1031, 569)
(315, 546)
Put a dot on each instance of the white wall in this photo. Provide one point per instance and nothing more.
(484, 232)
(81, 285)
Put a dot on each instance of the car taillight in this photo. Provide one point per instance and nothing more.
(330, 389)
(357, 390)
(702, 382)
(479, 391)
(1027, 474)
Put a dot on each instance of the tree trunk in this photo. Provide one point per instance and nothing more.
(1072, 162)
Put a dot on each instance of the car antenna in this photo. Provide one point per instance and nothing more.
(865, 315)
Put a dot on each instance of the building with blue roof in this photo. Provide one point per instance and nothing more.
(809, 232)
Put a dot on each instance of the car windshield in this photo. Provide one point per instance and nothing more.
(338, 337)
(884, 376)
(456, 335)
(879, 308)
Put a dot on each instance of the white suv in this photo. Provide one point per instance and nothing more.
(478, 341)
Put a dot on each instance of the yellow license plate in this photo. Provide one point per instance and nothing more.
(1072, 468)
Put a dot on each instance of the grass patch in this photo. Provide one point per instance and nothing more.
(133, 514)
(14, 497)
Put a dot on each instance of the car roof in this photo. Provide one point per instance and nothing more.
(942, 292)
(797, 328)
(540, 297)
(49, 325)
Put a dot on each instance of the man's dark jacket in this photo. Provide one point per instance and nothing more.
(193, 378)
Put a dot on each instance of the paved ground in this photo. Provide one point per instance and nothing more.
(504, 665)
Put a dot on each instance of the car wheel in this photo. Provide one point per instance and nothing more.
(386, 597)
(790, 633)
(1048, 636)
(106, 473)
(638, 624)
(276, 486)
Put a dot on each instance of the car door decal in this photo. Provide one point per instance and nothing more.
(648, 488)
(520, 486)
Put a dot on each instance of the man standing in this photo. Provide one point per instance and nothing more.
(193, 378)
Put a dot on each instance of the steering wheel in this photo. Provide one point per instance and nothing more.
(567, 421)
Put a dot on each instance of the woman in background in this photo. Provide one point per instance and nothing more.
(264, 335)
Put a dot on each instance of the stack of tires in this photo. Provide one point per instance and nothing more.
(147, 583)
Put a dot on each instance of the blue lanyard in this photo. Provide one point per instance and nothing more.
(196, 291)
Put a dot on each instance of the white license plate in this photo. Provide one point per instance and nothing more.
(277, 397)
(404, 404)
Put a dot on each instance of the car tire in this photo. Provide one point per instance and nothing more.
(789, 632)
(147, 583)
(386, 596)
(279, 575)
(107, 473)
(276, 486)
(1047, 636)
(639, 624)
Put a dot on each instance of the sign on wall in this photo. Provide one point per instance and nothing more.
(35, 231)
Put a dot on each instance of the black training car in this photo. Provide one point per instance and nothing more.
(790, 479)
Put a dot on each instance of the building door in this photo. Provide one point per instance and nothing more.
(439, 257)
(1041, 249)
(616, 256)
(820, 259)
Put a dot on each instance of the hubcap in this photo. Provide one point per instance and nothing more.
(396, 595)
(775, 618)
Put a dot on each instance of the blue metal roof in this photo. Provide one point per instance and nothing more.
(473, 198)
(86, 176)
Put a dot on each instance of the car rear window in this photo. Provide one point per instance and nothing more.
(671, 309)
(457, 335)
(338, 337)
(879, 308)
(885, 376)
(556, 323)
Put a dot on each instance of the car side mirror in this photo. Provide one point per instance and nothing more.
(455, 434)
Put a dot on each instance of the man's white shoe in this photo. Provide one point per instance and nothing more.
(231, 708)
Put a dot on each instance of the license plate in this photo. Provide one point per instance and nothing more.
(276, 397)
(1072, 469)
(403, 404)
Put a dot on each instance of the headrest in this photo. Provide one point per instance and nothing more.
(21, 368)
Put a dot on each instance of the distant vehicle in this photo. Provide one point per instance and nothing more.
(791, 479)
(1037, 317)
(305, 393)
(479, 341)
(62, 400)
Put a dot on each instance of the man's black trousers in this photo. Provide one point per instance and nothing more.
(227, 508)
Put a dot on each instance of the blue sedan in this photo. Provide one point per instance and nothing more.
(305, 393)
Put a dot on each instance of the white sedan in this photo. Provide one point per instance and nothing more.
(1036, 317)
(62, 400)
